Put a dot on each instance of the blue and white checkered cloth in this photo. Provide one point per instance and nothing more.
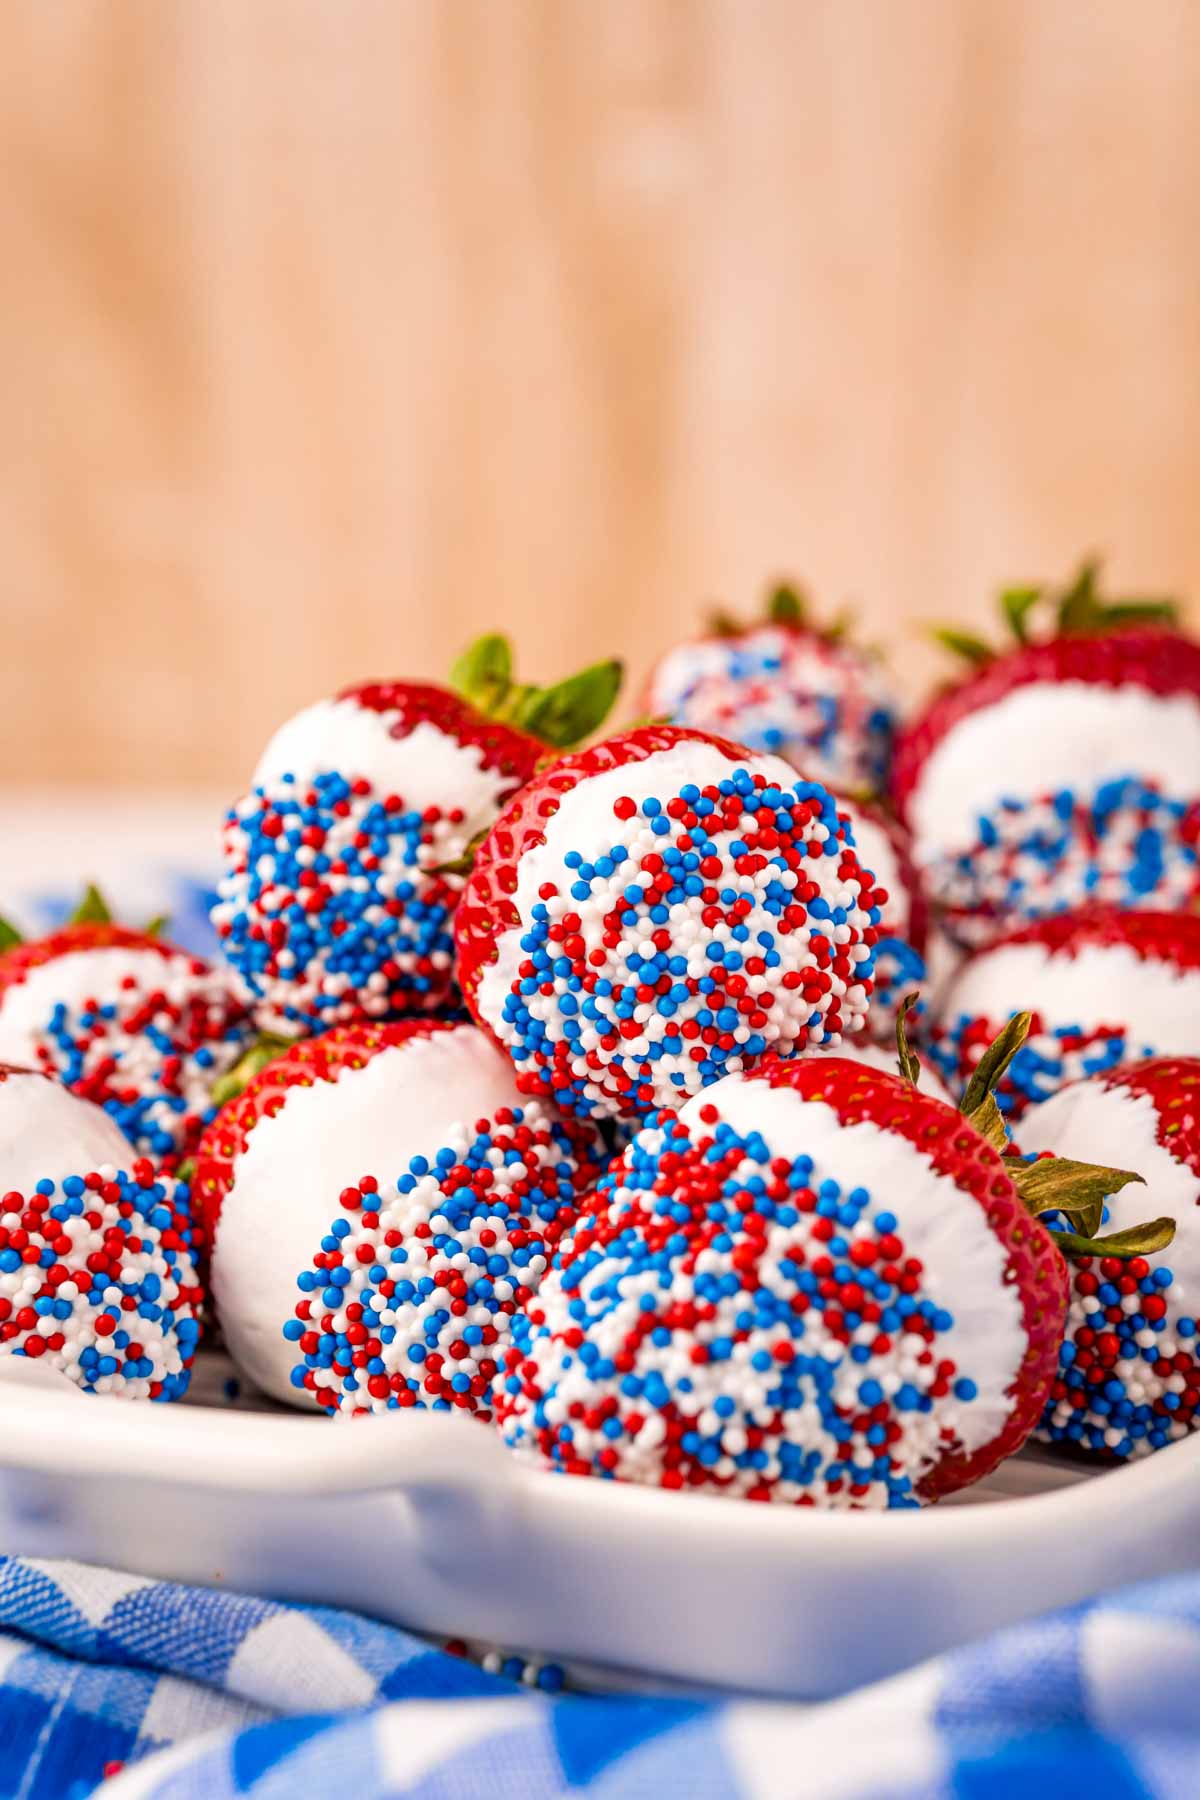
(208, 1695)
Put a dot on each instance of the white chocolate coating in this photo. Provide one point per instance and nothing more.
(1045, 737)
(284, 1195)
(1093, 1122)
(46, 1132)
(424, 767)
(1157, 1003)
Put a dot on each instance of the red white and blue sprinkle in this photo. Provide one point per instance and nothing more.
(824, 706)
(410, 1297)
(703, 928)
(336, 904)
(142, 1032)
(724, 1318)
(98, 1279)
(1126, 844)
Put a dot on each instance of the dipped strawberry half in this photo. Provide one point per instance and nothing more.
(123, 1019)
(788, 687)
(659, 910)
(379, 1200)
(97, 1250)
(814, 1285)
(1104, 988)
(344, 862)
(1062, 771)
(1129, 1370)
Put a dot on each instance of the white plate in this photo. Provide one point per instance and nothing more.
(425, 1520)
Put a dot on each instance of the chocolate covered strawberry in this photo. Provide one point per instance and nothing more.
(343, 864)
(1061, 771)
(1129, 1370)
(97, 1249)
(1104, 988)
(787, 686)
(815, 1285)
(124, 1019)
(379, 1199)
(659, 910)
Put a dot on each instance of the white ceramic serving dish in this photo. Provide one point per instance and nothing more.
(426, 1520)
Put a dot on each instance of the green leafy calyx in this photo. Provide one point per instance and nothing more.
(787, 604)
(561, 716)
(92, 909)
(1077, 610)
(1055, 1184)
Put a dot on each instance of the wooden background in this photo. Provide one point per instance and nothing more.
(333, 331)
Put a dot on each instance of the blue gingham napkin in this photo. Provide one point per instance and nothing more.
(158, 1692)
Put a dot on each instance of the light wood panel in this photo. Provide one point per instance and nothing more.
(333, 333)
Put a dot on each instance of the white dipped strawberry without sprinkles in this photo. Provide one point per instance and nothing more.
(659, 910)
(379, 1200)
(1129, 1369)
(97, 1250)
(343, 862)
(813, 1285)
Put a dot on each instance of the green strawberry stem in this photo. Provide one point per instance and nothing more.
(262, 1051)
(787, 605)
(92, 909)
(909, 1061)
(561, 716)
(1138, 1240)
(1078, 1190)
(1076, 610)
(10, 937)
(978, 1104)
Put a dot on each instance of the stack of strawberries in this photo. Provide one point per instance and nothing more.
(573, 1087)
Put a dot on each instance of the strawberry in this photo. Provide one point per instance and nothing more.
(97, 1271)
(813, 1285)
(786, 686)
(1129, 1376)
(344, 863)
(1105, 987)
(881, 845)
(124, 1019)
(659, 910)
(342, 1284)
(1059, 771)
